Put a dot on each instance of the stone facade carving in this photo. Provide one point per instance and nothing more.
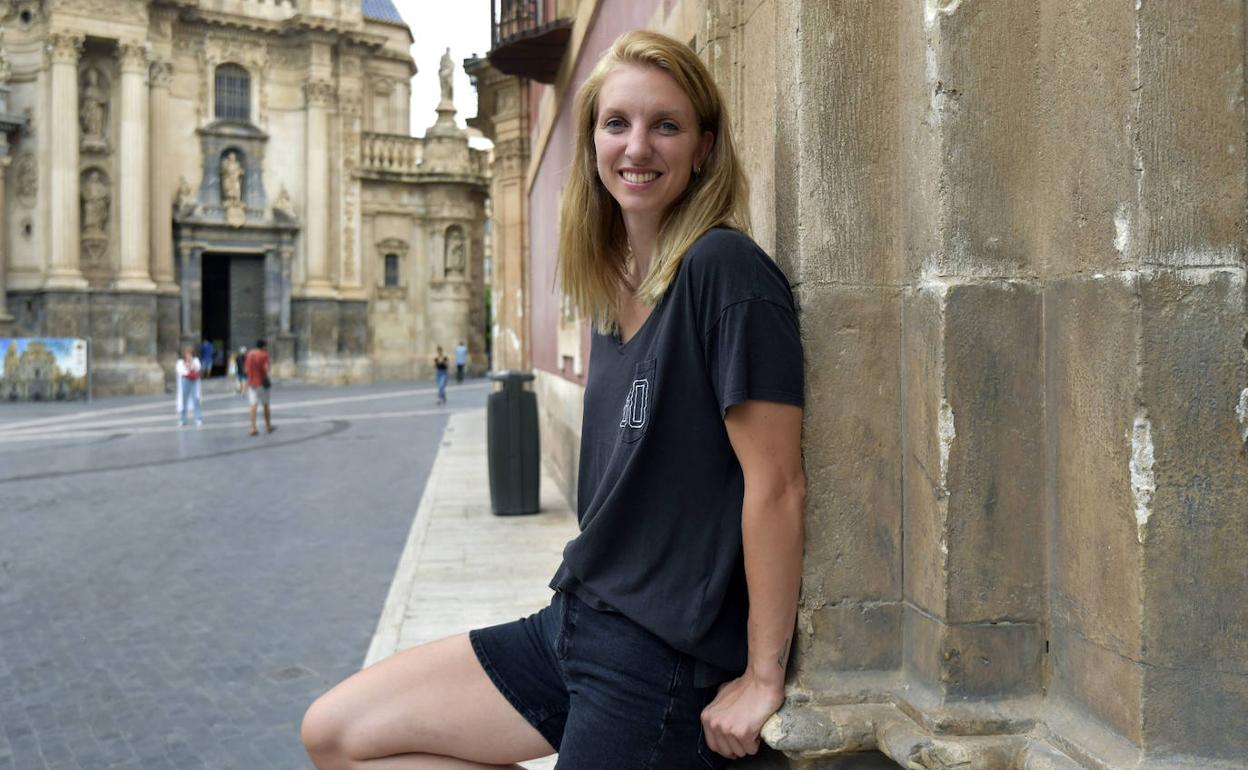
(96, 206)
(251, 52)
(65, 47)
(133, 56)
(93, 106)
(231, 180)
(446, 71)
(283, 206)
(319, 93)
(96, 200)
(184, 198)
(160, 74)
(456, 251)
(108, 223)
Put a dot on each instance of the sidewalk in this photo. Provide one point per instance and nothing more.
(462, 566)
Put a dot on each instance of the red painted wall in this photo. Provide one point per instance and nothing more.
(613, 18)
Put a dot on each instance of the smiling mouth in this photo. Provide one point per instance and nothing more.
(639, 177)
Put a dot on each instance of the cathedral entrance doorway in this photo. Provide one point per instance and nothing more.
(233, 299)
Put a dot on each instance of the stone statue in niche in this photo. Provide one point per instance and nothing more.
(446, 70)
(455, 257)
(93, 110)
(96, 200)
(231, 180)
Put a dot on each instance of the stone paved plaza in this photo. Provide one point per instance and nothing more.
(174, 597)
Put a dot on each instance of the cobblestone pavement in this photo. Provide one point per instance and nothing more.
(173, 598)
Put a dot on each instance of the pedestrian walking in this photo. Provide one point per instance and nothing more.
(258, 385)
(668, 636)
(461, 360)
(188, 370)
(205, 359)
(441, 366)
(240, 371)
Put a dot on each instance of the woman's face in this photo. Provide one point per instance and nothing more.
(647, 140)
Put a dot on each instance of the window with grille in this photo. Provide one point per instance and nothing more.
(392, 270)
(233, 93)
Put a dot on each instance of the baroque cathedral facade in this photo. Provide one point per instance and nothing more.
(181, 170)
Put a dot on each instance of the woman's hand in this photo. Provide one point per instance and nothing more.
(732, 722)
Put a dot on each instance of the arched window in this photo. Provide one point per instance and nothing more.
(233, 93)
(392, 270)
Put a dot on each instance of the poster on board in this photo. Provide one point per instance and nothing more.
(43, 369)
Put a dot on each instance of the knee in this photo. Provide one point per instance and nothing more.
(322, 732)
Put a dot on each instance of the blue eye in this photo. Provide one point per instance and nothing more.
(613, 123)
(669, 127)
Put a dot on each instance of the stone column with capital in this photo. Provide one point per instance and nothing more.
(132, 149)
(319, 95)
(64, 49)
(160, 182)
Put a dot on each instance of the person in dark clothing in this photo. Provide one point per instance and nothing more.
(668, 637)
(441, 366)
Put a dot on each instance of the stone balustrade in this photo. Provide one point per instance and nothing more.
(391, 152)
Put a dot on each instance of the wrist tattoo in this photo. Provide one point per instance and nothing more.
(784, 653)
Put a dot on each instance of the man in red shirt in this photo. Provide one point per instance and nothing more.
(256, 365)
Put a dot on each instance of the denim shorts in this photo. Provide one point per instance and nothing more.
(604, 692)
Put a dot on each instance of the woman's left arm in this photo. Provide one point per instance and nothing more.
(767, 440)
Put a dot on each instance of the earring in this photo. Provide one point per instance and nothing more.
(697, 170)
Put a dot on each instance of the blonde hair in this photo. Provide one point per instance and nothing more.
(593, 245)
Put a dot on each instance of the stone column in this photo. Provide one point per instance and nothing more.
(132, 148)
(189, 278)
(160, 184)
(319, 95)
(64, 49)
(5, 318)
(287, 255)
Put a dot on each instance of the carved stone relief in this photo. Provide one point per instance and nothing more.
(64, 47)
(160, 74)
(251, 53)
(319, 93)
(93, 108)
(96, 196)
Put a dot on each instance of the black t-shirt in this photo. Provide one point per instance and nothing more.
(660, 489)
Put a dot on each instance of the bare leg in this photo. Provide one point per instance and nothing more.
(268, 421)
(429, 708)
(251, 412)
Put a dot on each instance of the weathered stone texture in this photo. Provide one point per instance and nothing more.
(841, 132)
(1193, 369)
(1191, 132)
(1084, 107)
(852, 579)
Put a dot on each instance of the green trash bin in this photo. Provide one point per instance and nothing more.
(512, 445)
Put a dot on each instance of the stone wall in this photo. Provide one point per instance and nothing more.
(1016, 235)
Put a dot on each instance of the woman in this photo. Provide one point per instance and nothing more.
(188, 370)
(666, 643)
(441, 365)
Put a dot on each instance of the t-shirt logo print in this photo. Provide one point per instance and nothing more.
(635, 405)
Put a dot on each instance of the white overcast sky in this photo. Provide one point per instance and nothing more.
(464, 25)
